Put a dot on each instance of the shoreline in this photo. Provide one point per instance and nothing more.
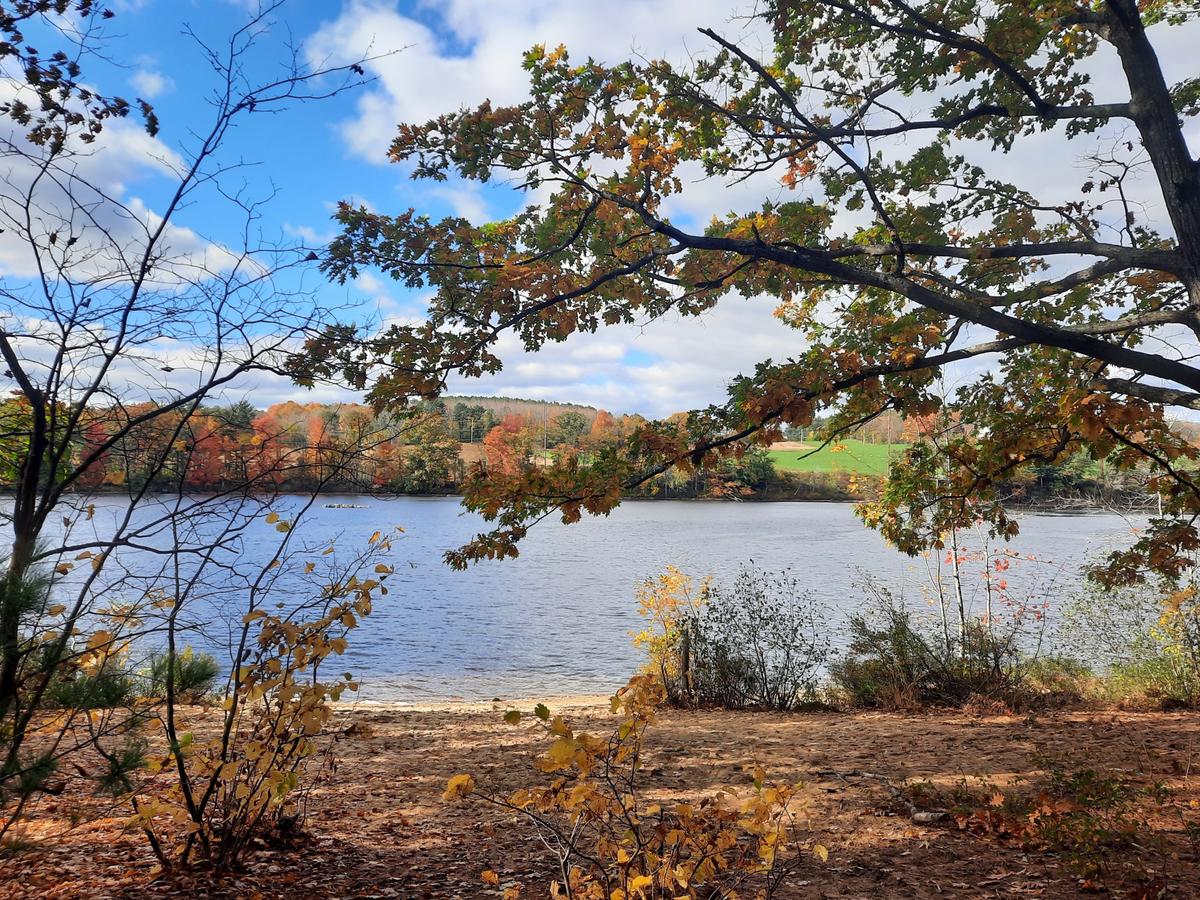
(465, 705)
(1063, 505)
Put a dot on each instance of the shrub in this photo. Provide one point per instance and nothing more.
(61, 671)
(84, 678)
(885, 665)
(1158, 680)
(81, 690)
(1057, 679)
(1090, 819)
(193, 676)
(1148, 638)
(895, 661)
(253, 778)
(667, 602)
(611, 841)
(755, 643)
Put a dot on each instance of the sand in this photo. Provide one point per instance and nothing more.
(378, 827)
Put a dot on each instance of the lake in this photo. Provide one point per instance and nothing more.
(557, 619)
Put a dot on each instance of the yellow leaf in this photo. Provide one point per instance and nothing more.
(373, 538)
(308, 567)
(56, 610)
(251, 616)
(63, 568)
(458, 786)
(99, 639)
(272, 518)
(562, 751)
(639, 883)
(489, 877)
(821, 853)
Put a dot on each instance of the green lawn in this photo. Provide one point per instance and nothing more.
(857, 457)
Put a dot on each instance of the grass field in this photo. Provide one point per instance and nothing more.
(853, 456)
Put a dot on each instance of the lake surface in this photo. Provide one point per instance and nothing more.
(558, 619)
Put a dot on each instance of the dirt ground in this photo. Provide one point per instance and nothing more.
(380, 829)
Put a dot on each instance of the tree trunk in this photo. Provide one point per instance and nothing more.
(1158, 124)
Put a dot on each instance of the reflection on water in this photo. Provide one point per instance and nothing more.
(557, 620)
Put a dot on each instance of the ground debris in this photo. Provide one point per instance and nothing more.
(380, 829)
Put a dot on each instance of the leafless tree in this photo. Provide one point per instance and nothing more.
(117, 324)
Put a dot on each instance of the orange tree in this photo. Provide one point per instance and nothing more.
(895, 252)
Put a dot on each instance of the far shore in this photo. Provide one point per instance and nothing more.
(1073, 505)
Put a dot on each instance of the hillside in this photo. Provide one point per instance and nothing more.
(502, 406)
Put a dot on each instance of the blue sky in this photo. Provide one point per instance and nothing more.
(300, 155)
(434, 56)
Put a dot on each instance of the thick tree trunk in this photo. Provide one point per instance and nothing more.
(1159, 126)
(11, 718)
(25, 533)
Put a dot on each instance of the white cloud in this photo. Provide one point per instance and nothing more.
(309, 235)
(86, 195)
(457, 53)
(465, 199)
(432, 74)
(425, 76)
(692, 361)
(151, 84)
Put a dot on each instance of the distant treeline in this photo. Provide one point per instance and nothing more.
(431, 449)
(343, 446)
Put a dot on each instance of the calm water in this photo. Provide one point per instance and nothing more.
(558, 619)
